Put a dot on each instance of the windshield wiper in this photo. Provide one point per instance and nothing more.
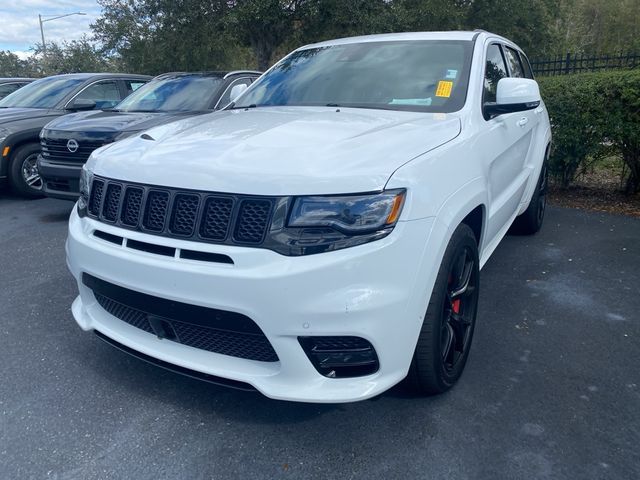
(233, 107)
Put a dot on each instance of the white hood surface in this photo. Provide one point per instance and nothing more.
(278, 150)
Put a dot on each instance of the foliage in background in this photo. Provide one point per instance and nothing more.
(594, 115)
(596, 26)
(154, 36)
(13, 66)
(262, 25)
(73, 57)
(620, 119)
(526, 22)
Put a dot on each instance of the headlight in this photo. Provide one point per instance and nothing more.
(85, 185)
(352, 214)
(319, 224)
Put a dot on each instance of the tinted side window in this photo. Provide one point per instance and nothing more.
(526, 65)
(7, 88)
(225, 99)
(514, 63)
(495, 70)
(106, 94)
(133, 85)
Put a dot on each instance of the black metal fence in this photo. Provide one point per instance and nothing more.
(577, 63)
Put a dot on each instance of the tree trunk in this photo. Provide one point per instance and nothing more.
(263, 53)
(633, 180)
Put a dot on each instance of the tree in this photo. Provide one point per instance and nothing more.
(526, 22)
(263, 25)
(155, 36)
(13, 66)
(426, 15)
(72, 57)
(326, 19)
(597, 26)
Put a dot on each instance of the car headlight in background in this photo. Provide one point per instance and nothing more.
(4, 133)
(85, 185)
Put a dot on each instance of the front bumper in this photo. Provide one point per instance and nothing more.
(373, 291)
(60, 180)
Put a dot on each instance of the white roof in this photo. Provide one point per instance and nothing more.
(390, 37)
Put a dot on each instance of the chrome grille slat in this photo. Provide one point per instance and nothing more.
(56, 150)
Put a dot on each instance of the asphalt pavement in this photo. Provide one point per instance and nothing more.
(551, 390)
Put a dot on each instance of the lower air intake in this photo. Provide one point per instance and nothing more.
(340, 357)
(218, 331)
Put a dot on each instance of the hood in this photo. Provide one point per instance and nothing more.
(16, 114)
(110, 123)
(278, 150)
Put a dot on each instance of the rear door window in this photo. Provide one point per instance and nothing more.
(526, 65)
(105, 94)
(513, 60)
(7, 88)
(133, 85)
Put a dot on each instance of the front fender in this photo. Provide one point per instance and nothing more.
(13, 141)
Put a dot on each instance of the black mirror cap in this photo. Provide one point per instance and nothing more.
(82, 105)
(491, 110)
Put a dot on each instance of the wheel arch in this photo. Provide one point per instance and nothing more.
(467, 205)
(475, 219)
(20, 139)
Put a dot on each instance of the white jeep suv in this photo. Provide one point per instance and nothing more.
(320, 239)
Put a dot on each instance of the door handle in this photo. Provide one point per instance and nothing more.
(523, 121)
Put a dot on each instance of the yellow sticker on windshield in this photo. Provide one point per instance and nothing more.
(444, 89)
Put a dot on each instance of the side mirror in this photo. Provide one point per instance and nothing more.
(236, 91)
(514, 95)
(79, 105)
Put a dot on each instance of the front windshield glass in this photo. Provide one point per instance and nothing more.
(43, 93)
(174, 93)
(419, 75)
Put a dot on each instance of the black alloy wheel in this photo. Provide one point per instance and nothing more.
(459, 309)
(530, 221)
(445, 338)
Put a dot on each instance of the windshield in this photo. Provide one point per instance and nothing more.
(425, 75)
(43, 93)
(176, 93)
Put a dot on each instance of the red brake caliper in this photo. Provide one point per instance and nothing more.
(455, 306)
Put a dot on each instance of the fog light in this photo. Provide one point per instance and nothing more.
(340, 357)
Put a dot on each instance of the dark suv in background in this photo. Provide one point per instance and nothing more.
(10, 85)
(24, 112)
(67, 142)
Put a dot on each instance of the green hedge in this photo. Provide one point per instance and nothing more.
(593, 115)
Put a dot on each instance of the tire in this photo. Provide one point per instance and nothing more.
(530, 221)
(447, 330)
(23, 171)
